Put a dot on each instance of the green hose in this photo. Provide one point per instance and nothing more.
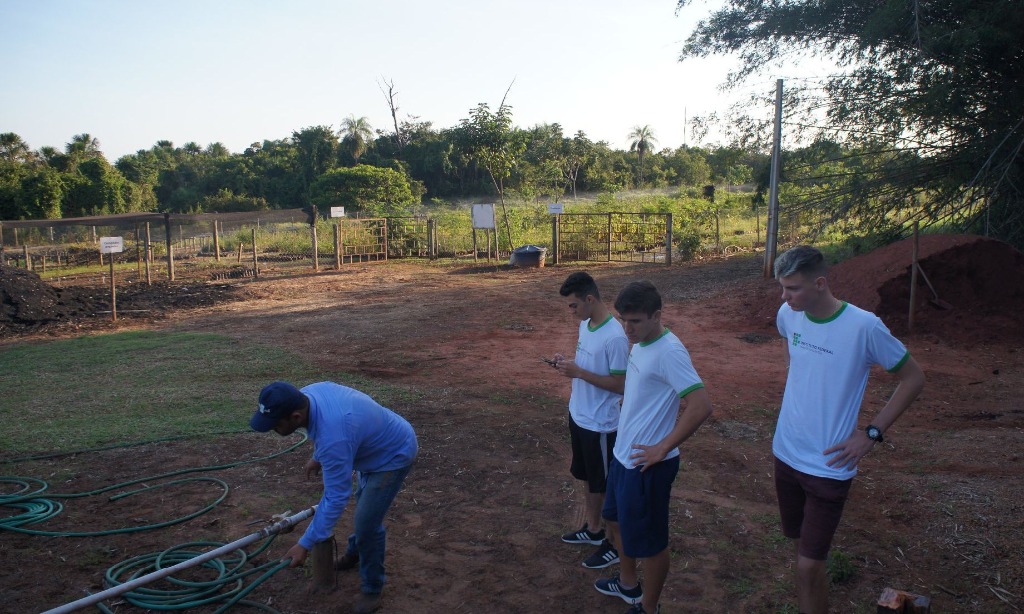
(228, 587)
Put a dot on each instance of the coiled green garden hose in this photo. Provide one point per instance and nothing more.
(230, 573)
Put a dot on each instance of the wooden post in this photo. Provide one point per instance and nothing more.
(718, 231)
(488, 231)
(771, 233)
(325, 578)
(28, 261)
(385, 238)
(554, 239)
(668, 240)
(609, 237)
(170, 248)
(476, 252)
(149, 258)
(241, 244)
(255, 261)
(337, 246)
(138, 250)
(216, 241)
(913, 281)
(316, 250)
(431, 240)
(113, 292)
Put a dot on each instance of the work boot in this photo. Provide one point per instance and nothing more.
(349, 560)
(366, 603)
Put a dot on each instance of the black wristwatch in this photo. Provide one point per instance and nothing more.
(874, 433)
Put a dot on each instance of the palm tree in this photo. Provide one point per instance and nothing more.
(13, 148)
(643, 139)
(355, 135)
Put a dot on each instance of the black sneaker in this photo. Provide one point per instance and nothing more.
(349, 560)
(584, 536)
(639, 609)
(604, 556)
(611, 586)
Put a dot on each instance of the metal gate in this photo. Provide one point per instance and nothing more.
(613, 237)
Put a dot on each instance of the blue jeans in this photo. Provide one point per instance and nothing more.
(374, 494)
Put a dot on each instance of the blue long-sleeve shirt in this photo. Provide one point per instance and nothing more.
(350, 431)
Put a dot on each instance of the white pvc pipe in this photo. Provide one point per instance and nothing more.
(273, 529)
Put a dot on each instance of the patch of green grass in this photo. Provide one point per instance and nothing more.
(135, 386)
(775, 539)
(740, 587)
(840, 566)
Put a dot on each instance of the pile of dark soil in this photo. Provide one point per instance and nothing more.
(982, 279)
(27, 302)
(29, 305)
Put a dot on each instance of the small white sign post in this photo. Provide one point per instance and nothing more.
(483, 218)
(337, 211)
(555, 208)
(112, 245)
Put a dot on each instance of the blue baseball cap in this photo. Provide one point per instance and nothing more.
(277, 400)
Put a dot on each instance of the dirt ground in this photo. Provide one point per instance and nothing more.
(936, 510)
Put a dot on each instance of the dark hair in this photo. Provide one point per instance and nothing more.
(579, 284)
(802, 259)
(638, 297)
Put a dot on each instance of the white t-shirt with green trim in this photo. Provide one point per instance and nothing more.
(603, 350)
(829, 364)
(659, 374)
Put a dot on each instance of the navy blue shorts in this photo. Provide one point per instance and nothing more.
(639, 503)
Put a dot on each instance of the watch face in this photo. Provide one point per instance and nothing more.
(874, 433)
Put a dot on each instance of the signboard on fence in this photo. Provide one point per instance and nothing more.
(111, 245)
(483, 216)
(337, 211)
(555, 208)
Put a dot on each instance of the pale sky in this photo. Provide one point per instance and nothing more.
(132, 72)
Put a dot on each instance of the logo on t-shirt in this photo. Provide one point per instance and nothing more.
(817, 349)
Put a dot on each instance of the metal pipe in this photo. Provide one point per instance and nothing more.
(263, 533)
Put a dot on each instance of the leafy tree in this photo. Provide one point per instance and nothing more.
(316, 147)
(690, 167)
(643, 140)
(41, 194)
(488, 139)
(356, 135)
(367, 189)
(14, 150)
(930, 91)
(578, 153)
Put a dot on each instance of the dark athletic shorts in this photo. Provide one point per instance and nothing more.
(639, 503)
(590, 454)
(810, 507)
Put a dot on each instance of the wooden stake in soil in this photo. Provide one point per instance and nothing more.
(325, 578)
(913, 282)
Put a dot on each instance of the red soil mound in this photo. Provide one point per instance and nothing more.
(982, 279)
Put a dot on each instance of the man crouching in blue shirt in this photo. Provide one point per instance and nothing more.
(350, 432)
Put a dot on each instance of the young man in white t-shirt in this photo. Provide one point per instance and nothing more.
(660, 379)
(831, 346)
(598, 372)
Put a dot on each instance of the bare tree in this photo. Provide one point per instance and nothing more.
(390, 94)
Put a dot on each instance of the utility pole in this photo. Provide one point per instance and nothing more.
(772, 224)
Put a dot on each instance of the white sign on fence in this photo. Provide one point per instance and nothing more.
(555, 208)
(337, 211)
(111, 245)
(483, 216)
